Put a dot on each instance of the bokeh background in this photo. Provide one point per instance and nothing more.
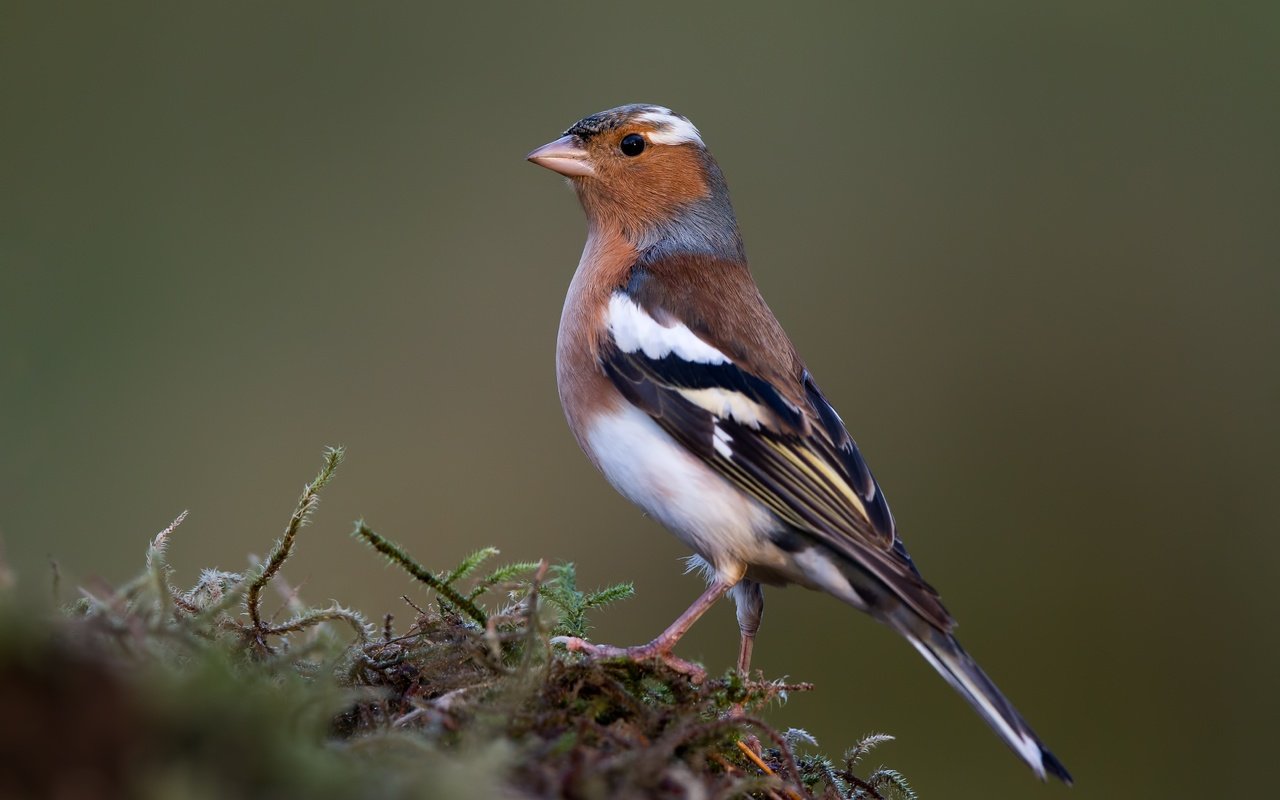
(1032, 252)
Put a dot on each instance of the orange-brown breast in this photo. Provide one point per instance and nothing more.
(584, 389)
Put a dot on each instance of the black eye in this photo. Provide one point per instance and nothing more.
(632, 144)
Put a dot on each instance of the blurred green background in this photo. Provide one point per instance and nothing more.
(1031, 253)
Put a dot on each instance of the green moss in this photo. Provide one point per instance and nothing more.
(148, 691)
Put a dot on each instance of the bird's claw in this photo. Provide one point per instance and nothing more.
(644, 652)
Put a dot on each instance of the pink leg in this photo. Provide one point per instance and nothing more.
(660, 647)
(744, 654)
(749, 599)
(744, 669)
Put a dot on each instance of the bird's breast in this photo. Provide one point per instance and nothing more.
(584, 390)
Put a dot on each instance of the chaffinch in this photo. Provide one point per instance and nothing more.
(683, 389)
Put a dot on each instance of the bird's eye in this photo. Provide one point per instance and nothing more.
(632, 145)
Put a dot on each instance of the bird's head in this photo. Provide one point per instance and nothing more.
(645, 170)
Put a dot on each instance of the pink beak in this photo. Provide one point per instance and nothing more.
(565, 155)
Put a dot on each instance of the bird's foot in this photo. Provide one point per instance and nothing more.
(644, 652)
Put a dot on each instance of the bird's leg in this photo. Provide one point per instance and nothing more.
(744, 653)
(749, 599)
(660, 647)
(750, 602)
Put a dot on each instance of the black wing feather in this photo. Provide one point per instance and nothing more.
(800, 463)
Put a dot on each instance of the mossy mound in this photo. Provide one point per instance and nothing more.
(146, 691)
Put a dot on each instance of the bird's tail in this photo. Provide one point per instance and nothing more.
(963, 673)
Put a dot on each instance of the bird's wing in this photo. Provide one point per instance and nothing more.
(715, 370)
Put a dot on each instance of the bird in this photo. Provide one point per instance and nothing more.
(683, 389)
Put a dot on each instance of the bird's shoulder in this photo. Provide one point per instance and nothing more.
(718, 301)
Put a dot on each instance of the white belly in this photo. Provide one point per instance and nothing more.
(726, 527)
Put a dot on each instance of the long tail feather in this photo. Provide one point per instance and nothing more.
(857, 586)
(963, 673)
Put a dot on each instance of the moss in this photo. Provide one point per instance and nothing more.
(148, 691)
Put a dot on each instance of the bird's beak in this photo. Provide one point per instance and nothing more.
(565, 155)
